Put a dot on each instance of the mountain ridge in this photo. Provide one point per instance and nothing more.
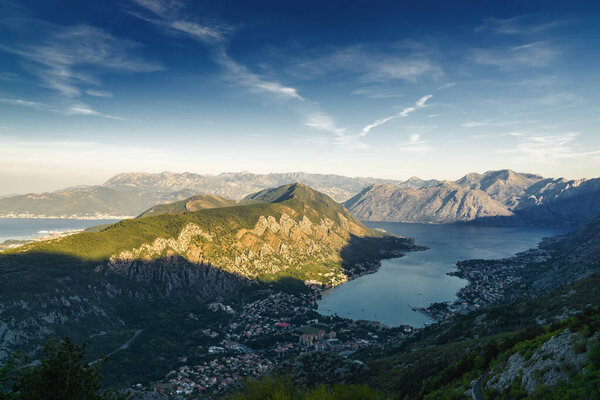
(501, 197)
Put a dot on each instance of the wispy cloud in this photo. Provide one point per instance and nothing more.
(496, 123)
(377, 92)
(404, 113)
(548, 147)
(342, 139)
(447, 85)
(67, 58)
(72, 109)
(404, 61)
(519, 25)
(172, 16)
(99, 93)
(353, 140)
(415, 144)
(529, 55)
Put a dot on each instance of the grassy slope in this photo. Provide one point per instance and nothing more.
(127, 234)
(194, 203)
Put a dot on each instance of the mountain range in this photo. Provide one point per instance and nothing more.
(495, 197)
(129, 194)
(501, 197)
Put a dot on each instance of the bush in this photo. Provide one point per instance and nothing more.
(594, 355)
(281, 388)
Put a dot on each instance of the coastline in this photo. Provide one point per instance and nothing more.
(15, 243)
(76, 217)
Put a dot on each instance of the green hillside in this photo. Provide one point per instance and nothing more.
(194, 203)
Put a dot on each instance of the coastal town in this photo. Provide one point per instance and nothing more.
(265, 332)
(489, 281)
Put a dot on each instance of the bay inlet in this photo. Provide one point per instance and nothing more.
(420, 278)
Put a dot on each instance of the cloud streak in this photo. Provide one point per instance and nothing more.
(547, 147)
(73, 109)
(519, 25)
(403, 61)
(404, 113)
(171, 16)
(415, 144)
(529, 55)
(68, 58)
(347, 140)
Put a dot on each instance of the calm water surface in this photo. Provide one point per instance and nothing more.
(420, 278)
(29, 228)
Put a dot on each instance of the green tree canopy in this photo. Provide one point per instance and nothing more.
(64, 373)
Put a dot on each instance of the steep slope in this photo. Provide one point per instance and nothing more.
(560, 201)
(128, 273)
(444, 203)
(505, 186)
(194, 203)
(572, 257)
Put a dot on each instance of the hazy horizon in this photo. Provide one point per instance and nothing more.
(385, 90)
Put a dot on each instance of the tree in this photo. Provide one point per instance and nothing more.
(63, 374)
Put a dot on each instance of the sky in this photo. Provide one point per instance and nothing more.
(388, 89)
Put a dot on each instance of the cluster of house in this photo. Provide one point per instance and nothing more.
(217, 375)
(271, 315)
(321, 340)
(488, 282)
(278, 320)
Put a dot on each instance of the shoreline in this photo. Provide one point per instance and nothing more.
(74, 217)
(16, 243)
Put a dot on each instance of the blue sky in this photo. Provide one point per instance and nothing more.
(362, 88)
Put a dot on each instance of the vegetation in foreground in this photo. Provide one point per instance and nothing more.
(63, 373)
(269, 388)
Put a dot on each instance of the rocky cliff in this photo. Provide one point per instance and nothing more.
(443, 203)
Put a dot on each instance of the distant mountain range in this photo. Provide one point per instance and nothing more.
(129, 194)
(495, 197)
(500, 197)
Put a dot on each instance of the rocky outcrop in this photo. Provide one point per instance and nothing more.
(273, 245)
(548, 365)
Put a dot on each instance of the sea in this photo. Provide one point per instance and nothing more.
(30, 228)
(420, 278)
